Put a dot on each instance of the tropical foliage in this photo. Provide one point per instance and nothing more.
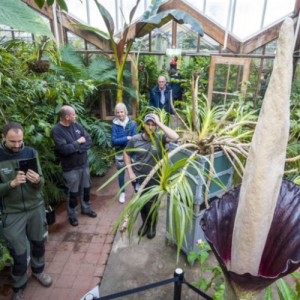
(18, 15)
(149, 20)
(34, 101)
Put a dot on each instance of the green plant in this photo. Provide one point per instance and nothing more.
(34, 101)
(211, 277)
(4, 255)
(216, 279)
(18, 15)
(149, 20)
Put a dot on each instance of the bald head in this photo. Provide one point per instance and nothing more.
(67, 115)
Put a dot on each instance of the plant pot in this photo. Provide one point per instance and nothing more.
(50, 216)
(40, 66)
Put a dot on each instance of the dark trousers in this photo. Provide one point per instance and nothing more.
(146, 214)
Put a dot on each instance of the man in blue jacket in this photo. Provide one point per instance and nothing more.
(160, 95)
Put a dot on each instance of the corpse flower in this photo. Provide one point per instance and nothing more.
(281, 254)
(253, 228)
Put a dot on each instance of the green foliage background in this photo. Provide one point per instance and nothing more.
(34, 100)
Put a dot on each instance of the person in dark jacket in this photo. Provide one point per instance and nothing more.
(22, 208)
(72, 143)
(160, 95)
(175, 85)
(123, 129)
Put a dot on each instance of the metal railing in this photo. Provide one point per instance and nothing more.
(178, 280)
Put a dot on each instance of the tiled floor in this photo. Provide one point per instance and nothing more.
(75, 256)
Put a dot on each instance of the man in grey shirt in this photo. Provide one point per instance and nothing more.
(137, 173)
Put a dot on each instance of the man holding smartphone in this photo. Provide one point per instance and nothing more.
(23, 209)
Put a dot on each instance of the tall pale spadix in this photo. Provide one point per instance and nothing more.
(265, 164)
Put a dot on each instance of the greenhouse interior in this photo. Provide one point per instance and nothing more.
(175, 126)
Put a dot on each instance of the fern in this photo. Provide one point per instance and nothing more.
(98, 164)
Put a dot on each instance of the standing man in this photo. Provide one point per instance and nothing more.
(23, 209)
(160, 95)
(138, 172)
(72, 143)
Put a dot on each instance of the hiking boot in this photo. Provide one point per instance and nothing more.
(151, 231)
(91, 214)
(143, 230)
(19, 295)
(43, 278)
(73, 222)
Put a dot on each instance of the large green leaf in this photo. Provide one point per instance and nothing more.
(107, 18)
(16, 14)
(62, 4)
(164, 17)
(102, 33)
(39, 3)
(133, 11)
(151, 11)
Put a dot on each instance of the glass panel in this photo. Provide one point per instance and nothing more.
(271, 47)
(208, 44)
(218, 10)
(23, 35)
(187, 39)
(78, 9)
(95, 18)
(276, 9)
(161, 38)
(5, 33)
(197, 4)
(248, 16)
(227, 80)
(76, 41)
(127, 7)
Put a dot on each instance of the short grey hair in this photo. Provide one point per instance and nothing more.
(121, 106)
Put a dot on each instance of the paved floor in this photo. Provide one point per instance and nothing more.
(75, 256)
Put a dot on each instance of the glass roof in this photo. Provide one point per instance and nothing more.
(243, 18)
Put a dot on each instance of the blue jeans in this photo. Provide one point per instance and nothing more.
(121, 178)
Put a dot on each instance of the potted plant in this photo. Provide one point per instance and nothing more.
(44, 46)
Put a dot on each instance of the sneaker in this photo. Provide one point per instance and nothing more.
(73, 222)
(143, 230)
(122, 198)
(43, 278)
(19, 295)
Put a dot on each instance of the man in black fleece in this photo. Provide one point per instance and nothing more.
(72, 143)
(23, 209)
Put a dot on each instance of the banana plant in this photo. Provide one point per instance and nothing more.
(18, 15)
(150, 19)
(61, 3)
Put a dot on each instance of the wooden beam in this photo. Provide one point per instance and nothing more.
(46, 10)
(66, 21)
(174, 34)
(296, 7)
(263, 38)
(89, 36)
(209, 27)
